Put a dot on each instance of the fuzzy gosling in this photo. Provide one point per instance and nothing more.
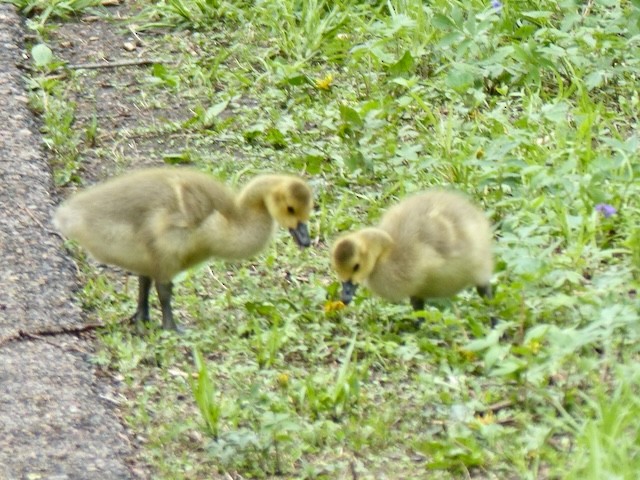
(161, 221)
(430, 245)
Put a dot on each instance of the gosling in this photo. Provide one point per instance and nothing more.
(161, 221)
(431, 245)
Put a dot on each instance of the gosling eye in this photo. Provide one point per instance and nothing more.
(356, 267)
(291, 210)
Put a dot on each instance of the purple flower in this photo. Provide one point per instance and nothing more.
(606, 210)
(496, 4)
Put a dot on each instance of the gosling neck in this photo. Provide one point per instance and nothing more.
(252, 224)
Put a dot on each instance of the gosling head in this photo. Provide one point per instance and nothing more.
(355, 255)
(290, 204)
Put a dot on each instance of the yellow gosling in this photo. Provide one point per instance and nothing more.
(161, 221)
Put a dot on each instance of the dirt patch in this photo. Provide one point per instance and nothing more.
(112, 69)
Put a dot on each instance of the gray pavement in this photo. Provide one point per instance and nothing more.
(58, 420)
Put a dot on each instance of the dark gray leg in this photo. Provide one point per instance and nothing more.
(418, 305)
(485, 292)
(164, 295)
(142, 312)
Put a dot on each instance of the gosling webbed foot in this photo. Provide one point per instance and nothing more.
(139, 316)
(140, 322)
(179, 330)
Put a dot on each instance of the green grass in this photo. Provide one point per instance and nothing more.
(530, 109)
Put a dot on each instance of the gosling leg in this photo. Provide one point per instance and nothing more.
(164, 295)
(142, 312)
(418, 305)
(485, 292)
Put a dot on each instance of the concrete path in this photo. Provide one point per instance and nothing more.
(57, 419)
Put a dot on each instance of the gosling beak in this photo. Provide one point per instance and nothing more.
(348, 291)
(301, 234)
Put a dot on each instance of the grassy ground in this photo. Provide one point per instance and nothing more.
(531, 107)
